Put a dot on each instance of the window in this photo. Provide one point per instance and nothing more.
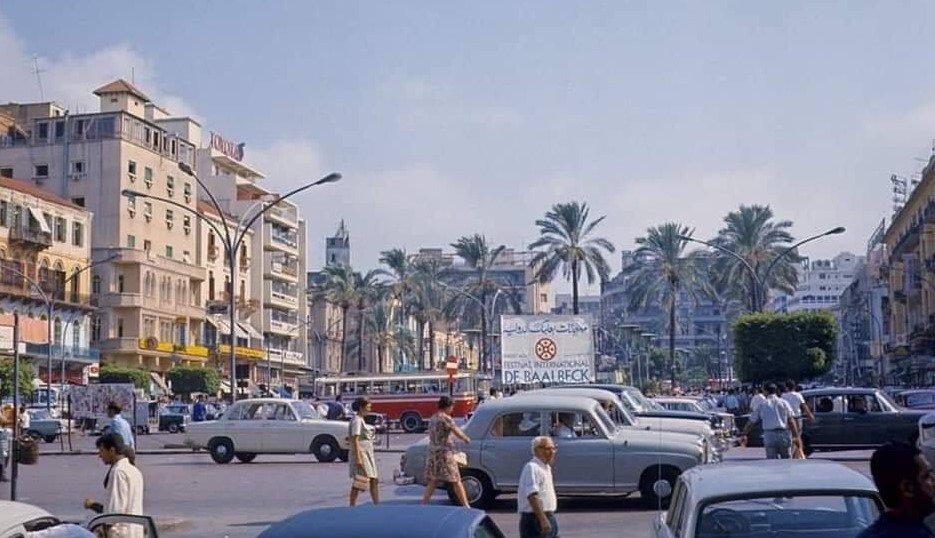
(96, 329)
(76, 335)
(170, 186)
(572, 426)
(42, 131)
(169, 251)
(279, 411)
(77, 168)
(148, 176)
(61, 225)
(131, 170)
(4, 212)
(6, 172)
(78, 201)
(77, 234)
(79, 128)
(147, 245)
(169, 218)
(96, 284)
(187, 223)
(41, 171)
(119, 327)
(188, 192)
(59, 129)
(120, 283)
(57, 330)
(131, 241)
(517, 425)
(148, 211)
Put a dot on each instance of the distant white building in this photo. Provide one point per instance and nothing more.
(821, 283)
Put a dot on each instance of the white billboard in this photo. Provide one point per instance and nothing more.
(546, 349)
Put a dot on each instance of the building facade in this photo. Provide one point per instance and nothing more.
(821, 283)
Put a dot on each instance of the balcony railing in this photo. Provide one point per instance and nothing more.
(30, 236)
(289, 241)
(69, 352)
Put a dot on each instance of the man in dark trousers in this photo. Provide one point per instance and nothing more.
(907, 486)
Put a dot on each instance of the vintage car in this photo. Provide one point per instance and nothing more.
(781, 498)
(270, 426)
(916, 398)
(597, 459)
(18, 519)
(43, 426)
(175, 418)
(387, 521)
(850, 419)
(697, 405)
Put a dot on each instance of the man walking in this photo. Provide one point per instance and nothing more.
(200, 410)
(778, 423)
(907, 485)
(756, 398)
(731, 403)
(121, 427)
(124, 485)
(536, 496)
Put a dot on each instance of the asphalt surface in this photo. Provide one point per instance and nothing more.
(191, 496)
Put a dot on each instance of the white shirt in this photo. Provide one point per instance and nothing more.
(536, 478)
(773, 413)
(795, 401)
(756, 401)
(125, 496)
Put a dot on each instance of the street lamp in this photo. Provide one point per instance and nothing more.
(232, 240)
(487, 328)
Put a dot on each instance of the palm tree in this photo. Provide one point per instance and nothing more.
(340, 288)
(752, 233)
(567, 244)
(386, 334)
(478, 255)
(428, 303)
(662, 272)
(402, 271)
(367, 289)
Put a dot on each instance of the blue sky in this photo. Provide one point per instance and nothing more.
(449, 118)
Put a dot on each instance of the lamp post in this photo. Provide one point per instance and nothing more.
(232, 240)
(761, 283)
(489, 314)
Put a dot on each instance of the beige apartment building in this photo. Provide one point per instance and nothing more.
(149, 284)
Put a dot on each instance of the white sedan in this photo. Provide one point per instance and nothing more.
(270, 426)
(20, 519)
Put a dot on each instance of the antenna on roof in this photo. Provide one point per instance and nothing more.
(37, 72)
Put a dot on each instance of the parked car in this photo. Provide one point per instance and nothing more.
(43, 426)
(600, 459)
(916, 398)
(16, 519)
(850, 419)
(175, 418)
(691, 404)
(270, 426)
(387, 521)
(781, 498)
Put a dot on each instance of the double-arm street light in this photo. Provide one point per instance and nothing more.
(761, 283)
(231, 239)
(486, 331)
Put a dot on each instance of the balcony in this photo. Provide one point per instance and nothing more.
(278, 240)
(282, 300)
(72, 354)
(283, 214)
(119, 300)
(284, 269)
(283, 327)
(30, 237)
(288, 356)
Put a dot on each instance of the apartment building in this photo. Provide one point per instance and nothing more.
(148, 284)
(45, 252)
(821, 283)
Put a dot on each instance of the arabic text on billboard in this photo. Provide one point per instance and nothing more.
(546, 349)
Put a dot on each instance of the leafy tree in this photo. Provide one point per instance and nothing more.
(26, 374)
(773, 347)
(339, 287)
(478, 254)
(368, 289)
(566, 243)
(186, 380)
(118, 374)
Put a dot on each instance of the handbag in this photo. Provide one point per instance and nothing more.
(460, 458)
(361, 482)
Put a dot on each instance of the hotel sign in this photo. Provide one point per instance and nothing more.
(225, 146)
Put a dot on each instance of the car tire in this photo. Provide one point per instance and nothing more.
(477, 487)
(245, 457)
(173, 428)
(344, 455)
(222, 450)
(49, 438)
(325, 448)
(411, 422)
(34, 435)
(648, 481)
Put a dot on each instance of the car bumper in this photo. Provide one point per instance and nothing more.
(400, 478)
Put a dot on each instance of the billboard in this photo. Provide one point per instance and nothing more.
(546, 349)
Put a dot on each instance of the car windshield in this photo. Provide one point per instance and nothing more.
(843, 515)
(39, 414)
(643, 402)
(604, 418)
(885, 398)
(305, 411)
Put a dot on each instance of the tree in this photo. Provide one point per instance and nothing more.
(428, 303)
(367, 289)
(386, 333)
(663, 270)
(26, 375)
(775, 347)
(401, 270)
(753, 234)
(339, 287)
(478, 255)
(186, 380)
(118, 374)
(566, 243)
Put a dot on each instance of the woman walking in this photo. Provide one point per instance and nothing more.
(440, 463)
(363, 461)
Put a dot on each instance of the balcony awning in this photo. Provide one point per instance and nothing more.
(249, 329)
(43, 225)
(224, 326)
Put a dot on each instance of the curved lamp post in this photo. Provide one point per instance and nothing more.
(489, 329)
(231, 239)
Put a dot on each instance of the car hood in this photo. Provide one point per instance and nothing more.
(655, 437)
(688, 415)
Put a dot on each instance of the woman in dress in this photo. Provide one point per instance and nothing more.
(363, 461)
(440, 464)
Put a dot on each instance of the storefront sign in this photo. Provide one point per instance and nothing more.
(225, 146)
(546, 349)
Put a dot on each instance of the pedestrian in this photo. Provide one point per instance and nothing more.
(535, 498)
(756, 398)
(907, 486)
(336, 409)
(441, 463)
(124, 486)
(780, 429)
(25, 421)
(362, 459)
(320, 407)
(200, 410)
(121, 427)
(731, 403)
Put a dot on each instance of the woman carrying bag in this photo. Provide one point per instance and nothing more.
(443, 460)
(361, 457)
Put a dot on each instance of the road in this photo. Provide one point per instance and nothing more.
(199, 498)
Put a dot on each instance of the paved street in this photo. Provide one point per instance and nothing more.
(239, 500)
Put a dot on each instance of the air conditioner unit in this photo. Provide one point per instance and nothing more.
(188, 230)
(169, 224)
(188, 198)
(132, 177)
(148, 216)
(131, 211)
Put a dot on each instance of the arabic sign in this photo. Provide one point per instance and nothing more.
(225, 146)
(546, 349)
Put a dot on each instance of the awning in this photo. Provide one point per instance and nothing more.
(224, 326)
(43, 225)
(157, 379)
(249, 329)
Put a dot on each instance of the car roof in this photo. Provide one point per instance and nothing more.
(677, 399)
(386, 521)
(760, 476)
(571, 392)
(267, 400)
(543, 400)
(915, 391)
(16, 513)
(838, 390)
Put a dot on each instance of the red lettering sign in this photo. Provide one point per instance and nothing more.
(225, 146)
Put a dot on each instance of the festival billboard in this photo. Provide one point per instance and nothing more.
(550, 349)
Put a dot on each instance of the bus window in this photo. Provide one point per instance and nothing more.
(432, 386)
(414, 386)
(464, 385)
(380, 386)
(349, 387)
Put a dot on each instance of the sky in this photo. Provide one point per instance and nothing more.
(448, 118)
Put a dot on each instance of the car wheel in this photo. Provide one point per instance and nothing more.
(34, 435)
(49, 438)
(245, 457)
(477, 488)
(222, 450)
(411, 422)
(325, 448)
(173, 428)
(344, 455)
(656, 485)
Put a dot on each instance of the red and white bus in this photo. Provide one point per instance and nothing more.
(410, 399)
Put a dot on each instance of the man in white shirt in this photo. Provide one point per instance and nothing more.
(124, 485)
(797, 402)
(536, 496)
(778, 423)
